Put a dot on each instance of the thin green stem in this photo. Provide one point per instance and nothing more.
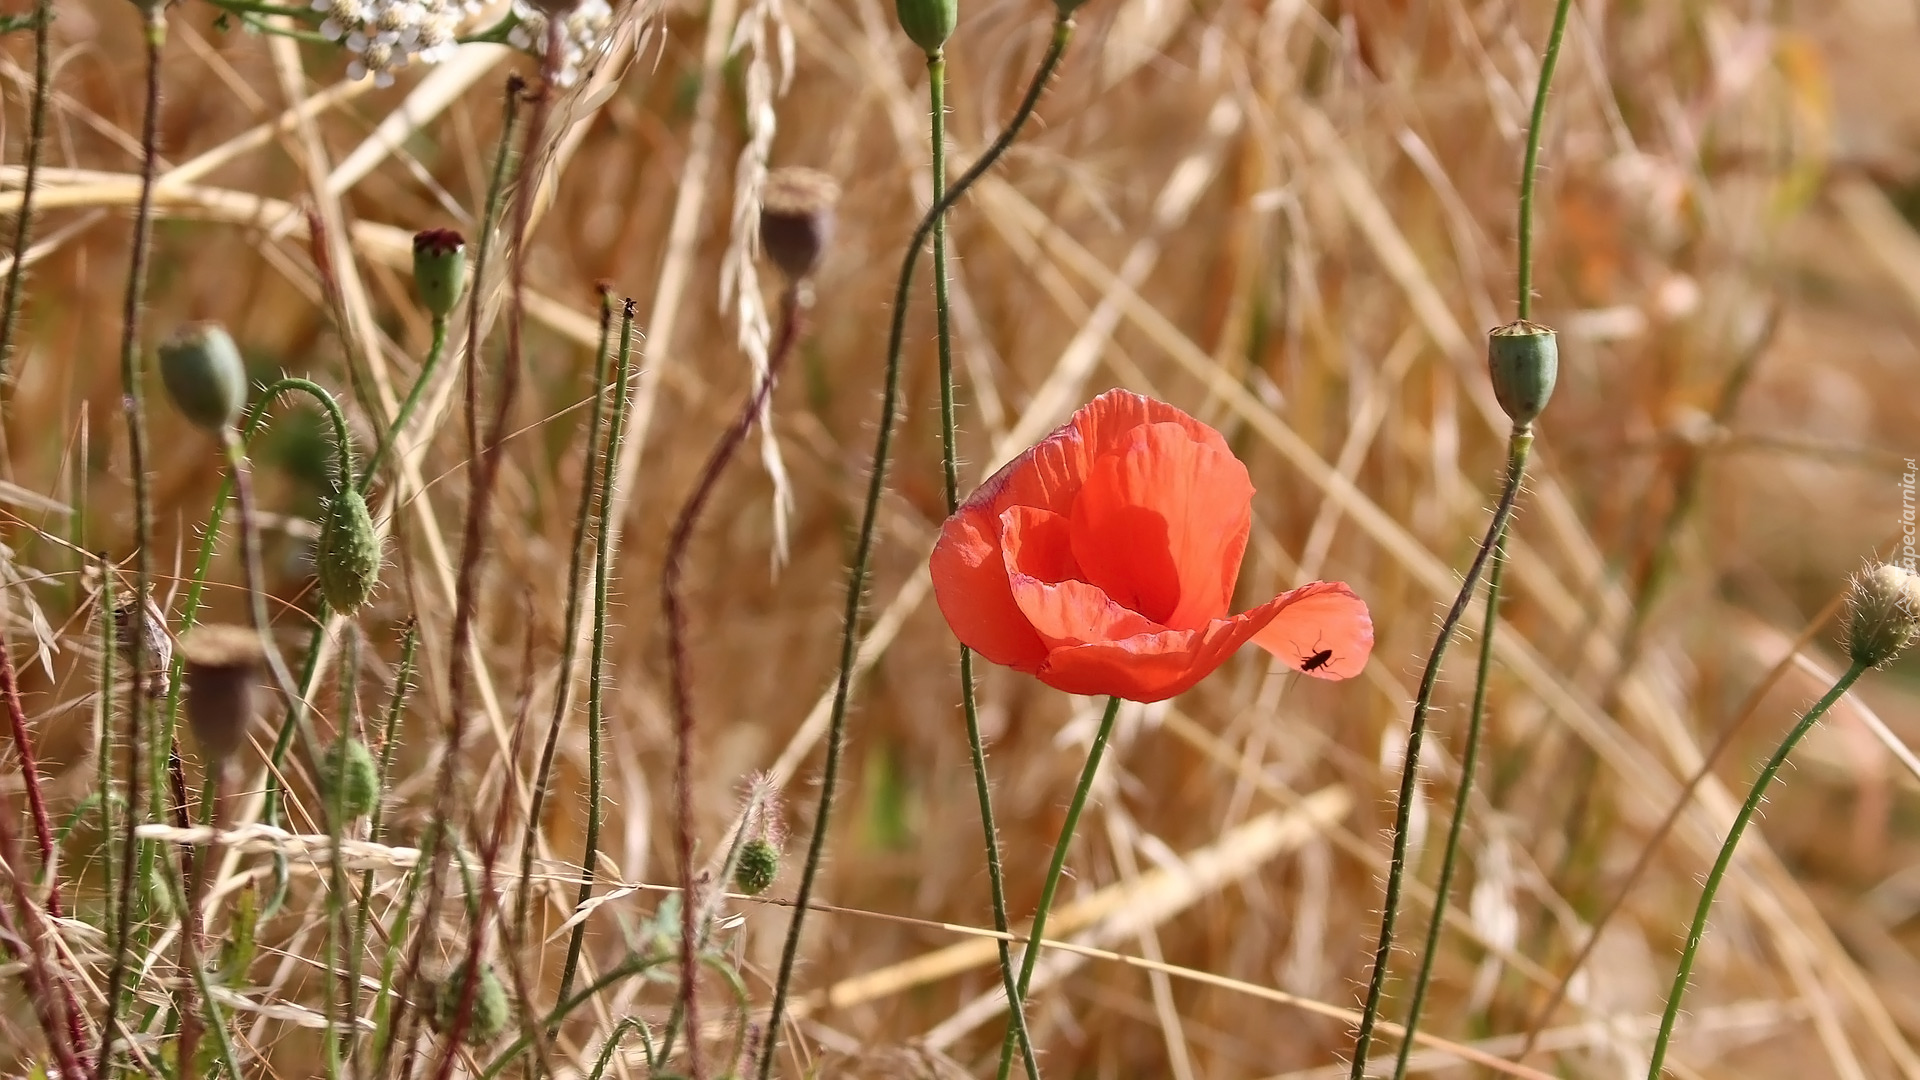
(1030, 956)
(1518, 446)
(570, 626)
(607, 1049)
(597, 657)
(389, 740)
(392, 435)
(385, 1001)
(1755, 796)
(633, 965)
(1469, 762)
(950, 464)
(1524, 249)
(23, 222)
(863, 546)
(253, 7)
(133, 405)
(339, 930)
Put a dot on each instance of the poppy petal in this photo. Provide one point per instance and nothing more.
(1322, 617)
(970, 585)
(1161, 525)
(1063, 611)
(1150, 667)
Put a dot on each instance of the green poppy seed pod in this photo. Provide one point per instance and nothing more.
(928, 23)
(1524, 360)
(350, 775)
(490, 1013)
(439, 269)
(797, 219)
(205, 376)
(221, 675)
(1883, 613)
(758, 867)
(347, 561)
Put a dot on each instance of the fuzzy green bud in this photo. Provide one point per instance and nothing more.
(928, 23)
(758, 867)
(347, 560)
(350, 775)
(1524, 360)
(490, 1014)
(205, 376)
(439, 269)
(1883, 613)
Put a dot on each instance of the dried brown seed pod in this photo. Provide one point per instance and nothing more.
(796, 219)
(222, 672)
(159, 643)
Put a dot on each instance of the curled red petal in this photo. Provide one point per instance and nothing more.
(1321, 629)
(970, 585)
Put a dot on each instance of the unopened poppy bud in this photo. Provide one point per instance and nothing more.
(489, 1015)
(349, 775)
(205, 376)
(928, 23)
(347, 560)
(797, 219)
(158, 645)
(222, 675)
(1883, 613)
(439, 270)
(759, 865)
(1524, 360)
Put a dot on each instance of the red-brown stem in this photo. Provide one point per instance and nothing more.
(480, 498)
(674, 606)
(35, 971)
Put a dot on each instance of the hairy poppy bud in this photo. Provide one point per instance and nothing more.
(759, 865)
(796, 219)
(156, 643)
(1524, 360)
(221, 676)
(1883, 614)
(205, 376)
(347, 560)
(439, 269)
(928, 23)
(490, 1013)
(349, 774)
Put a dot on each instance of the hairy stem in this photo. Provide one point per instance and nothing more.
(1523, 254)
(23, 222)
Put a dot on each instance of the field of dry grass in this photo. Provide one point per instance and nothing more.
(1293, 220)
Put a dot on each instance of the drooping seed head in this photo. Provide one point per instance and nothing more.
(797, 219)
(222, 672)
(1523, 358)
(347, 558)
(439, 270)
(204, 375)
(1883, 613)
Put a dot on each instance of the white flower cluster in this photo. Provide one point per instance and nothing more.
(387, 35)
(583, 31)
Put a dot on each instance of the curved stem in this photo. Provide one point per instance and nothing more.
(392, 435)
(1030, 957)
(950, 458)
(23, 221)
(1755, 796)
(633, 965)
(674, 605)
(1523, 254)
(133, 405)
(1518, 446)
(570, 626)
(596, 664)
(1469, 762)
(863, 546)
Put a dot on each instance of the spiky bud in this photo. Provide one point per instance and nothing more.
(1883, 613)
(797, 219)
(489, 1015)
(204, 375)
(222, 671)
(439, 269)
(759, 865)
(347, 559)
(1523, 359)
(928, 23)
(349, 774)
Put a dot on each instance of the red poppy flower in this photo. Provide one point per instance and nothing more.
(1103, 561)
